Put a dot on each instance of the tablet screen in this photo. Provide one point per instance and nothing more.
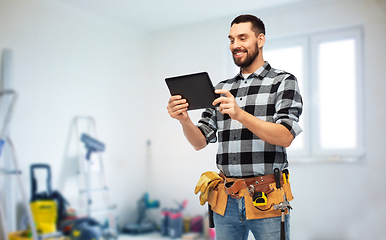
(196, 88)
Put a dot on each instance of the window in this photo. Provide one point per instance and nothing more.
(291, 56)
(329, 70)
(337, 132)
(328, 66)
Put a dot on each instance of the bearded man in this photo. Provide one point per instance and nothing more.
(254, 121)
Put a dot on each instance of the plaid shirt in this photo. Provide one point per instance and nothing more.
(269, 94)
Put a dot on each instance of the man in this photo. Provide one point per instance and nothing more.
(255, 121)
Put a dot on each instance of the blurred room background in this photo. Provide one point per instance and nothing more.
(109, 59)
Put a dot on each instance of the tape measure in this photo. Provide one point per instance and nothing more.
(259, 199)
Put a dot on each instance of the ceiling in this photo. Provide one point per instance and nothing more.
(154, 15)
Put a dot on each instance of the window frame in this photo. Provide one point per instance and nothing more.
(296, 41)
(310, 93)
(336, 35)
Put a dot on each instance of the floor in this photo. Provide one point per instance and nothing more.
(152, 236)
(141, 236)
(157, 236)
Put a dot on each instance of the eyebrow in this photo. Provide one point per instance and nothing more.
(240, 35)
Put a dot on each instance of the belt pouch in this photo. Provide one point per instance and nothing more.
(218, 199)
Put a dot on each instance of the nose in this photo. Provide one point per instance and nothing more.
(236, 44)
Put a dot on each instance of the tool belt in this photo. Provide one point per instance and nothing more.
(246, 188)
(254, 184)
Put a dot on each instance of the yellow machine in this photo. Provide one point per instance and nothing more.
(44, 214)
(43, 206)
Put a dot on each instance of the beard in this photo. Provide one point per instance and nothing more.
(251, 56)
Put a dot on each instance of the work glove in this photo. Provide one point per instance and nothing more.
(204, 195)
(206, 183)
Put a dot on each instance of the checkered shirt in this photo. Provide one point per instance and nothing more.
(269, 94)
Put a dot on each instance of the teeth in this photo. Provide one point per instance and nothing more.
(240, 53)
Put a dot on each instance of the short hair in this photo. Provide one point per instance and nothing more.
(257, 25)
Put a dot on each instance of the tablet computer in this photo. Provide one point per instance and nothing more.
(196, 88)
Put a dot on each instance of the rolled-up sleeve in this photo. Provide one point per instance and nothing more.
(289, 105)
(208, 125)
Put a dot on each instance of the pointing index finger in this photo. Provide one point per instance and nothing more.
(221, 99)
(224, 91)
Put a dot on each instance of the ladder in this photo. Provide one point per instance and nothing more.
(92, 179)
(5, 140)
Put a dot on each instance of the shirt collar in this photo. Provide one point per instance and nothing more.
(259, 73)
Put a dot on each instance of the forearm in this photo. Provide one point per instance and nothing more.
(273, 133)
(193, 134)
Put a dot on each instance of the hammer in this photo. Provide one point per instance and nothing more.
(282, 206)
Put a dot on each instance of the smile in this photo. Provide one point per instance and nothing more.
(239, 54)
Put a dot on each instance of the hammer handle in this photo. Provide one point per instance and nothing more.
(282, 231)
(210, 216)
(276, 173)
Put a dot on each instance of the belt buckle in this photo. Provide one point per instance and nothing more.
(251, 189)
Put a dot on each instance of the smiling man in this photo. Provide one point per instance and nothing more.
(255, 121)
(245, 51)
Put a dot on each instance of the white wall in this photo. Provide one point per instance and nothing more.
(67, 62)
(332, 200)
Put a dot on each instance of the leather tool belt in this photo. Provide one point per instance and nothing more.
(254, 184)
(245, 188)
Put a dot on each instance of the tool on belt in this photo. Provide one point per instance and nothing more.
(258, 188)
(259, 199)
(283, 205)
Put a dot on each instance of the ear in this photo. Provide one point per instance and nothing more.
(260, 40)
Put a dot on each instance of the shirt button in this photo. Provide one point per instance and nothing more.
(241, 99)
(245, 82)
